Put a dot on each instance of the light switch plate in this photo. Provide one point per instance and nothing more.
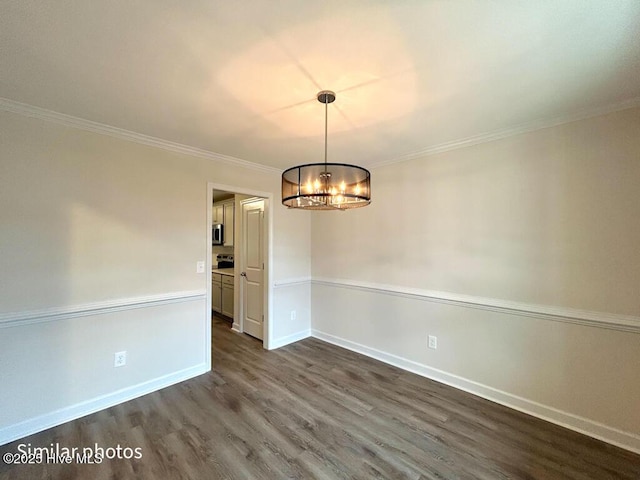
(200, 267)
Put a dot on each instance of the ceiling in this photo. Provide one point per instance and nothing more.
(239, 78)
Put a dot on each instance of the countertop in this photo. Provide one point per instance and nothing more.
(223, 271)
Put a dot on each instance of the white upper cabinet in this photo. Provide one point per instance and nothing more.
(224, 213)
(229, 216)
(218, 213)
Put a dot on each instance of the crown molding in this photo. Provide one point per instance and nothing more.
(509, 132)
(103, 129)
(120, 133)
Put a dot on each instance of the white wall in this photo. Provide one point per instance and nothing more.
(99, 239)
(507, 251)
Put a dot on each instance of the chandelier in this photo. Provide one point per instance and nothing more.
(326, 186)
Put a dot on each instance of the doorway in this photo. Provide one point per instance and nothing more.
(261, 201)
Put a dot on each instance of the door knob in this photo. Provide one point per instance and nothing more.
(243, 274)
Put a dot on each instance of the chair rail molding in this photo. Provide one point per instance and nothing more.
(625, 323)
(15, 319)
(290, 282)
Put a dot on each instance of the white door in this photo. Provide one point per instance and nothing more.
(253, 268)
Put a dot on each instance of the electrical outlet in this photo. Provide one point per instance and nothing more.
(200, 267)
(120, 359)
(432, 341)
(293, 314)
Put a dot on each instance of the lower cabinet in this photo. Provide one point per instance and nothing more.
(222, 294)
(216, 292)
(227, 296)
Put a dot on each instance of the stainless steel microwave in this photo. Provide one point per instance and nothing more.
(216, 234)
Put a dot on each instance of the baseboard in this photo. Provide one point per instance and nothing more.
(73, 412)
(620, 438)
(294, 337)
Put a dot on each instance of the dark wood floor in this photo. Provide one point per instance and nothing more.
(313, 410)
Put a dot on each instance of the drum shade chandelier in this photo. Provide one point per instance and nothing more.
(326, 186)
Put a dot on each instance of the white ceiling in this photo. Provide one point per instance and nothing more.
(239, 78)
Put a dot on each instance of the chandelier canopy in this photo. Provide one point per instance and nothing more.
(326, 186)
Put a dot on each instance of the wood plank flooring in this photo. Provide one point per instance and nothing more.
(315, 411)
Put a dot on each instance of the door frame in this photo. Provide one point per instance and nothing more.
(268, 245)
